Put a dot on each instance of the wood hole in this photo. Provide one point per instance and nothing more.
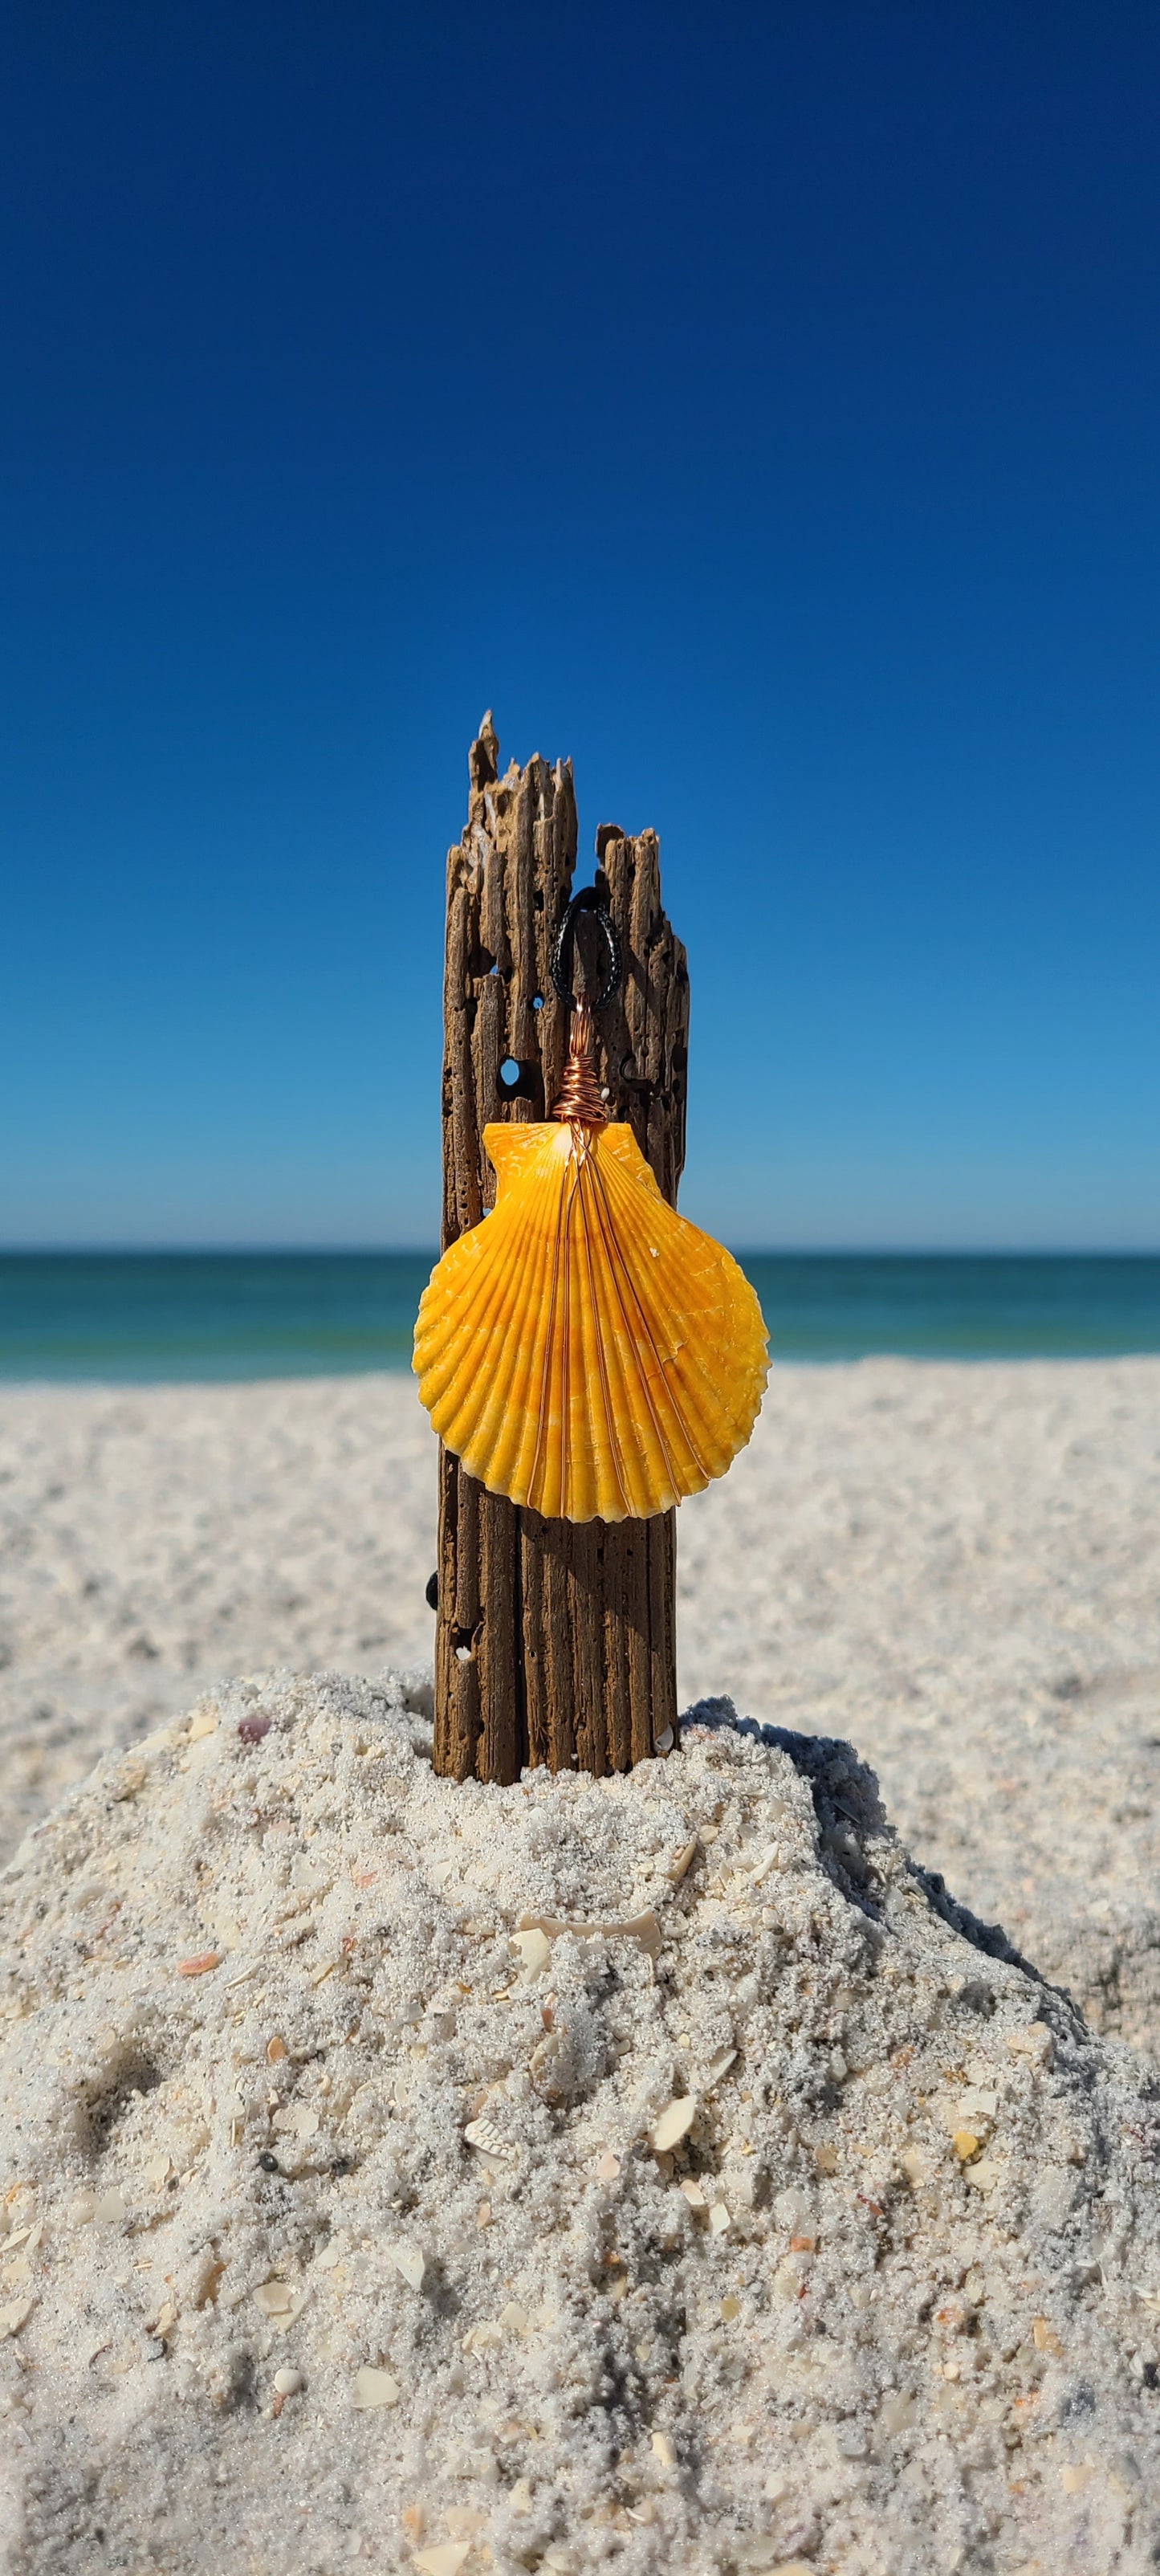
(516, 1081)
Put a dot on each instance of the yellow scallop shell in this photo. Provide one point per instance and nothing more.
(585, 1350)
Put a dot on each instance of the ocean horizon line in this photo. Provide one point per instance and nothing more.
(430, 1252)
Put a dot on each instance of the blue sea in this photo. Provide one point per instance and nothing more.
(136, 1317)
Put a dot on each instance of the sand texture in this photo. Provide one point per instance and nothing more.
(955, 1567)
(655, 2174)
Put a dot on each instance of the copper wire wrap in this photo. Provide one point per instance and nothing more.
(580, 1104)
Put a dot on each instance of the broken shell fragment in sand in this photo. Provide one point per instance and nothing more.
(673, 2124)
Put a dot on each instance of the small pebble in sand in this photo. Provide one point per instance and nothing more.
(200, 1965)
(274, 2297)
(284, 2317)
(533, 1949)
(663, 2450)
(1036, 2042)
(374, 2388)
(674, 2123)
(445, 2559)
(289, 2383)
(608, 2169)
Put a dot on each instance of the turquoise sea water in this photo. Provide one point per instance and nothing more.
(143, 1316)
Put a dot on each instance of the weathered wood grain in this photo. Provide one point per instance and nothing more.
(555, 1641)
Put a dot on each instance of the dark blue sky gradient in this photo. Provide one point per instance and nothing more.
(759, 404)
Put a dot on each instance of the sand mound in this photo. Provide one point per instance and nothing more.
(957, 1565)
(659, 2174)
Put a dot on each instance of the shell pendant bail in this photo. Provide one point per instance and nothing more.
(580, 1106)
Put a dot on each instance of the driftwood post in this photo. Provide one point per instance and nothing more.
(555, 1640)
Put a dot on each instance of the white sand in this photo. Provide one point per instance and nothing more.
(771, 2220)
(956, 1567)
(154, 1538)
(891, 2351)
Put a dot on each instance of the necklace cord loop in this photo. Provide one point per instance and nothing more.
(580, 1105)
(590, 900)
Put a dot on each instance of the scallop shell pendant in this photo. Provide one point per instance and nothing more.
(585, 1350)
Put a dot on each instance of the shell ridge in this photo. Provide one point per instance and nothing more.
(538, 1324)
(500, 1227)
(445, 1307)
(466, 1331)
(642, 1464)
(590, 1171)
(520, 1301)
(742, 1333)
(469, 1326)
(566, 1340)
(704, 1380)
(654, 1482)
(616, 1254)
(711, 1391)
(533, 1482)
(535, 1322)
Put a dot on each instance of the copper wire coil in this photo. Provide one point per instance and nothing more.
(580, 1103)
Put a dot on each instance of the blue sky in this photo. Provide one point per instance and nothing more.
(758, 404)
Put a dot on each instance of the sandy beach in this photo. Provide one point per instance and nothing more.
(681, 2177)
(956, 1567)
